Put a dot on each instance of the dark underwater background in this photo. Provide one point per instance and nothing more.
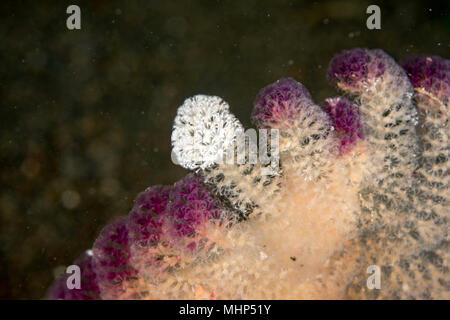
(86, 115)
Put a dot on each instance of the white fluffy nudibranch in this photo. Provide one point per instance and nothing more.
(203, 129)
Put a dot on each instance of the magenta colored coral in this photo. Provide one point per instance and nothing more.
(349, 66)
(278, 102)
(172, 212)
(346, 121)
(146, 216)
(352, 67)
(89, 288)
(190, 204)
(112, 254)
(431, 73)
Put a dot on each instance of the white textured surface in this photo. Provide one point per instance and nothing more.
(203, 131)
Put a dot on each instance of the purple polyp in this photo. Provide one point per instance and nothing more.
(146, 216)
(352, 67)
(190, 204)
(431, 73)
(278, 102)
(349, 66)
(346, 121)
(89, 288)
(112, 254)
